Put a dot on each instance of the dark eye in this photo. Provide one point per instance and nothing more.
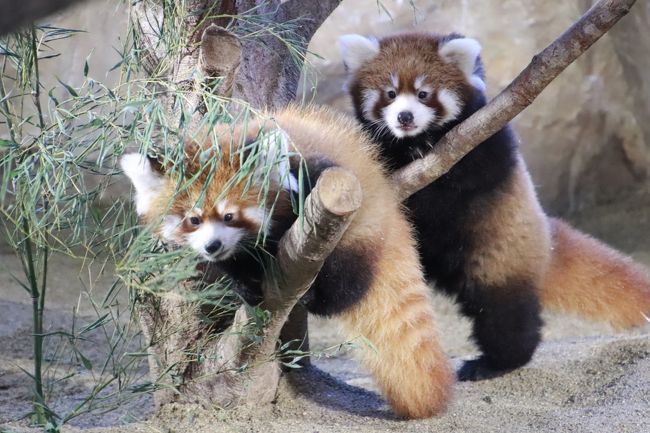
(391, 94)
(423, 95)
(195, 221)
(228, 217)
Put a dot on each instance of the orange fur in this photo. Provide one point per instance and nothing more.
(396, 318)
(512, 235)
(591, 279)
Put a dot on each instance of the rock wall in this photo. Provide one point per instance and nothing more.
(586, 138)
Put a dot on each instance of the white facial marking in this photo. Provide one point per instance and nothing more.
(394, 79)
(221, 206)
(462, 52)
(146, 181)
(369, 98)
(168, 229)
(257, 215)
(356, 50)
(209, 232)
(197, 211)
(422, 115)
(452, 104)
(419, 81)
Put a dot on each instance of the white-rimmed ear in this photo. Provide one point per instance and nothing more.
(274, 154)
(356, 50)
(146, 180)
(462, 52)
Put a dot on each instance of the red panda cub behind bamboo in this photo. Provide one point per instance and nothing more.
(372, 282)
(481, 231)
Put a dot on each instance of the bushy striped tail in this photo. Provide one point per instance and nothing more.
(593, 280)
(404, 355)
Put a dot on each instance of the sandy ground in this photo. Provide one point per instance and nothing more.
(584, 377)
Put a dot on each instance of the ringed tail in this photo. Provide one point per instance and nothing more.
(404, 355)
(595, 281)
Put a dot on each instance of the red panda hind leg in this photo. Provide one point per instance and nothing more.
(593, 280)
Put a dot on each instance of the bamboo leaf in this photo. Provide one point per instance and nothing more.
(69, 88)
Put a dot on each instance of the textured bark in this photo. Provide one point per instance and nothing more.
(267, 61)
(15, 13)
(543, 68)
(191, 360)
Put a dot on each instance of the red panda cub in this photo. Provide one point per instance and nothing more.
(372, 282)
(482, 234)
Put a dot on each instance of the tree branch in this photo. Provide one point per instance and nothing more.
(17, 13)
(543, 68)
(329, 209)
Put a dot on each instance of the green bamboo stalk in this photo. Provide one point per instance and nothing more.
(38, 296)
(37, 323)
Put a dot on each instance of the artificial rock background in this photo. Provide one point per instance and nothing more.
(586, 138)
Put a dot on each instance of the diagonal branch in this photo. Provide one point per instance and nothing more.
(543, 68)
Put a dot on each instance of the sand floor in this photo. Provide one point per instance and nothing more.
(584, 377)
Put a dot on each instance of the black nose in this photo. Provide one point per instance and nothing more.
(405, 117)
(213, 247)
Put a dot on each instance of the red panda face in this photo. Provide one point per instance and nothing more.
(222, 209)
(216, 230)
(408, 83)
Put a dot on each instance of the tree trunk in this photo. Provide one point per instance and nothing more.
(190, 360)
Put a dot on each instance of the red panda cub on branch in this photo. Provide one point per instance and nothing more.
(483, 236)
(372, 282)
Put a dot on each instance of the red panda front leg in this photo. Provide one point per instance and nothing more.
(503, 270)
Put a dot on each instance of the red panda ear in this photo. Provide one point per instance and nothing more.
(462, 52)
(147, 180)
(274, 152)
(357, 50)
